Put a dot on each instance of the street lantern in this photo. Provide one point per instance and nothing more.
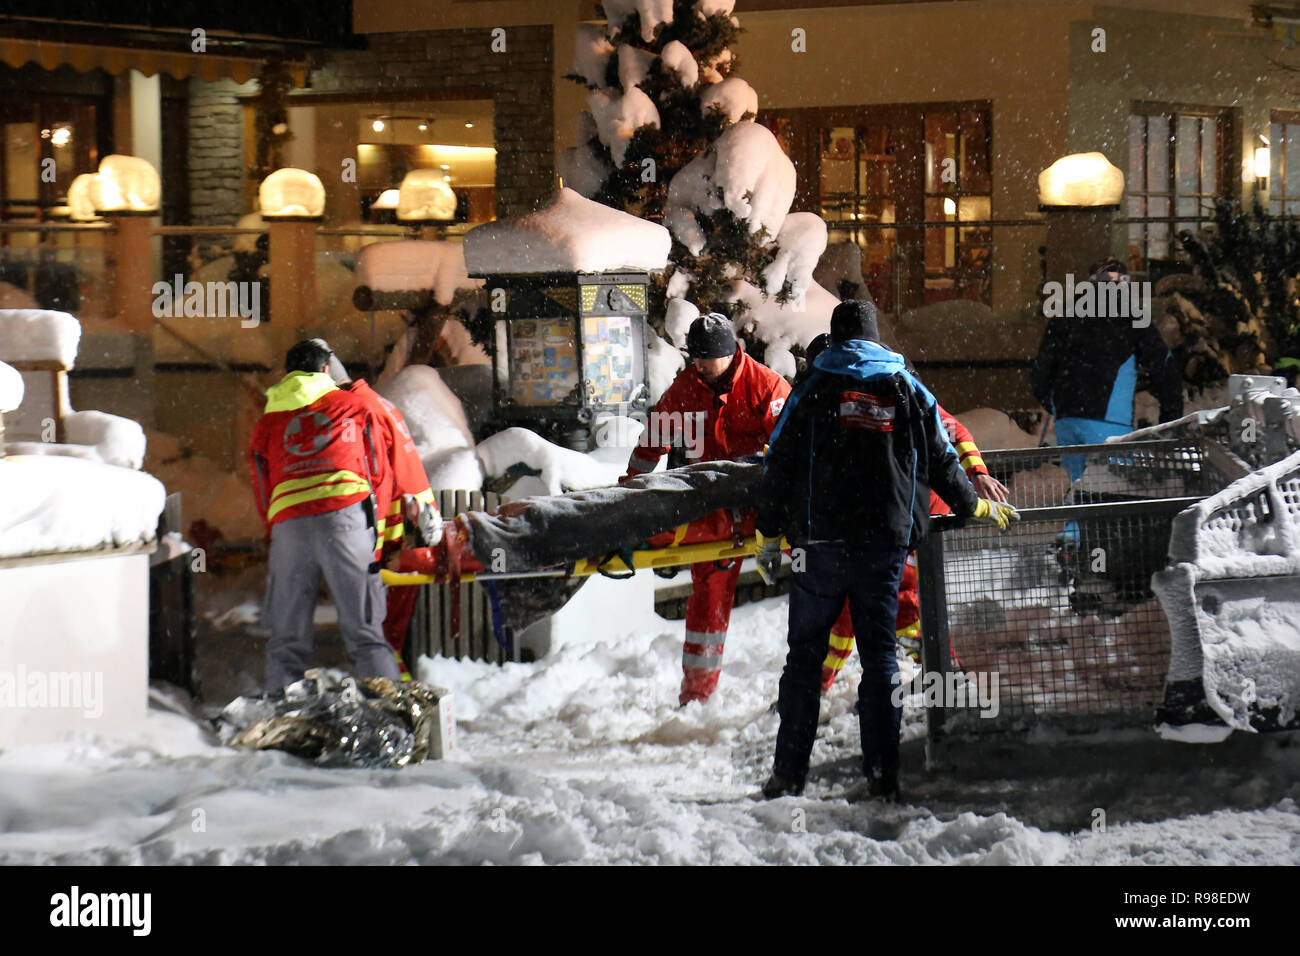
(567, 290)
(426, 198)
(1081, 180)
(81, 204)
(126, 186)
(567, 347)
(291, 194)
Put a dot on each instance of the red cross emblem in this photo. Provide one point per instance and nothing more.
(308, 433)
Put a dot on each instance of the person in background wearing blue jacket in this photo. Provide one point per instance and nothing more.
(1085, 373)
(847, 479)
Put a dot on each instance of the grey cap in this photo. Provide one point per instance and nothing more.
(336, 370)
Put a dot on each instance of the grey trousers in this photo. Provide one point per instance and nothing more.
(339, 545)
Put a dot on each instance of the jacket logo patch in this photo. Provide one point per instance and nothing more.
(775, 407)
(308, 433)
(859, 410)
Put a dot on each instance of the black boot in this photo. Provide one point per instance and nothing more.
(883, 786)
(781, 787)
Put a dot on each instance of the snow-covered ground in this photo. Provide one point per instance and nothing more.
(584, 757)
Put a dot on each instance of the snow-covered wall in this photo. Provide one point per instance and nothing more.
(75, 657)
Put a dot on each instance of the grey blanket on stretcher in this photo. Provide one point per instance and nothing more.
(544, 532)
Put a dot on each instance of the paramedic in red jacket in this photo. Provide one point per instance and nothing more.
(317, 459)
(405, 488)
(722, 405)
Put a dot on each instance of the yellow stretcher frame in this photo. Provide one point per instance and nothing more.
(671, 556)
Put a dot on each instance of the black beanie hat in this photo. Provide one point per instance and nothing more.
(854, 319)
(710, 336)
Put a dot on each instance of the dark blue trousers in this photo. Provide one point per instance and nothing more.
(869, 577)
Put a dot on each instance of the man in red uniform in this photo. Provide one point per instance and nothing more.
(404, 479)
(722, 405)
(318, 463)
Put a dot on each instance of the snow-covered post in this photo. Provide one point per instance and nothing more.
(126, 191)
(292, 202)
(1079, 194)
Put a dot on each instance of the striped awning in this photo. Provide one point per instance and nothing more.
(17, 52)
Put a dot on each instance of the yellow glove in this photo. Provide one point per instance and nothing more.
(768, 557)
(996, 512)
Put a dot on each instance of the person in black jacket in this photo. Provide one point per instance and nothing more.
(1086, 369)
(847, 479)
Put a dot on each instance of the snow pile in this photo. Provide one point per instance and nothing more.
(619, 116)
(678, 60)
(663, 362)
(11, 388)
(585, 757)
(572, 234)
(38, 335)
(733, 98)
(842, 263)
(800, 245)
(412, 265)
(784, 325)
(651, 12)
(117, 440)
(56, 504)
(583, 168)
(438, 426)
(562, 469)
(633, 66)
(744, 171)
(994, 429)
(962, 329)
(680, 315)
(591, 54)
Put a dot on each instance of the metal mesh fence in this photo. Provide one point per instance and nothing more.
(1056, 617)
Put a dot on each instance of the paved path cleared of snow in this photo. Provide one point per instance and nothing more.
(585, 758)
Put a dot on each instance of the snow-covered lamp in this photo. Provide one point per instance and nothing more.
(386, 200)
(81, 204)
(126, 186)
(1081, 180)
(291, 194)
(426, 196)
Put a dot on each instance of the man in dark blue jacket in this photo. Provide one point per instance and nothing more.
(847, 479)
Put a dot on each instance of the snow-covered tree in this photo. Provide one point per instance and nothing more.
(670, 136)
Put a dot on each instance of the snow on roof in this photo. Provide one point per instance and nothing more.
(571, 234)
(653, 13)
(413, 265)
(38, 335)
(11, 388)
(44, 505)
(733, 96)
(747, 166)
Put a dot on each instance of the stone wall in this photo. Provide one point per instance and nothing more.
(218, 178)
(460, 64)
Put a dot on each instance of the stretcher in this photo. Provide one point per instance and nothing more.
(718, 536)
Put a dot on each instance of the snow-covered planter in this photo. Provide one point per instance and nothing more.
(75, 539)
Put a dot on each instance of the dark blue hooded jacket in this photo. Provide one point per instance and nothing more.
(856, 452)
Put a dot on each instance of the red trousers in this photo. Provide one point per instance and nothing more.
(906, 625)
